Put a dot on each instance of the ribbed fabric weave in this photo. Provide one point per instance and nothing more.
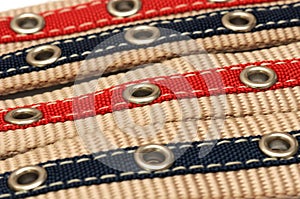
(10, 47)
(128, 60)
(231, 114)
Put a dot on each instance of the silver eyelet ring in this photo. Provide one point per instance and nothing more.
(43, 55)
(27, 23)
(154, 157)
(258, 77)
(27, 178)
(142, 35)
(143, 93)
(23, 116)
(279, 145)
(239, 21)
(124, 8)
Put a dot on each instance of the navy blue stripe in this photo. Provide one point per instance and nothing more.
(226, 155)
(199, 26)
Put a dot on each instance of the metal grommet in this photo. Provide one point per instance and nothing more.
(154, 157)
(27, 23)
(143, 93)
(27, 178)
(258, 77)
(279, 145)
(23, 116)
(239, 21)
(142, 35)
(43, 55)
(123, 8)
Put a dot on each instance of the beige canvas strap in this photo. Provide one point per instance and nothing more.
(61, 140)
(11, 47)
(131, 59)
(263, 183)
(191, 62)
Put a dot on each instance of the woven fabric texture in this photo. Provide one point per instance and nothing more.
(119, 165)
(244, 102)
(68, 72)
(78, 49)
(11, 47)
(202, 102)
(180, 86)
(43, 7)
(96, 15)
(172, 67)
(259, 183)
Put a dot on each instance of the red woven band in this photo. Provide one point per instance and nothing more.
(194, 84)
(94, 14)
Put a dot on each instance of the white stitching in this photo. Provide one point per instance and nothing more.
(89, 52)
(57, 183)
(170, 147)
(90, 179)
(158, 79)
(197, 167)
(5, 195)
(123, 44)
(177, 20)
(128, 173)
(255, 139)
(186, 146)
(213, 165)
(108, 176)
(252, 161)
(223, 142)
(242, 140)
(297, 135)
(269, 159)
(77, 7)
(233, 163)
(73, 181)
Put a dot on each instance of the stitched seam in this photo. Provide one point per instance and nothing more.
(70, 9)
(175, 7)
(211, 14)
(143, 172)
(115, 106)
(104, 156)
(179, 6)
(63, 10)
(176, 121)
(152, 24)
(167, 78)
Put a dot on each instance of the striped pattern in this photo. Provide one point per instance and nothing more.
(262, 183)
(75, 22)
(11, 47)
(235, 169)
(44, 7)
(171, 67)
(189, 85)
(119, 165)
(236, 105)
(131, 60)
(87, 47)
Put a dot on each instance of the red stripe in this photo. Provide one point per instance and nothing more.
(194, 84)
(94, 14)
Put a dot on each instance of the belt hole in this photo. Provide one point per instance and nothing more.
(27, 23)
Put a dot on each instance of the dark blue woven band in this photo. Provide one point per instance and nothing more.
(200, 26)
(226, 155)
